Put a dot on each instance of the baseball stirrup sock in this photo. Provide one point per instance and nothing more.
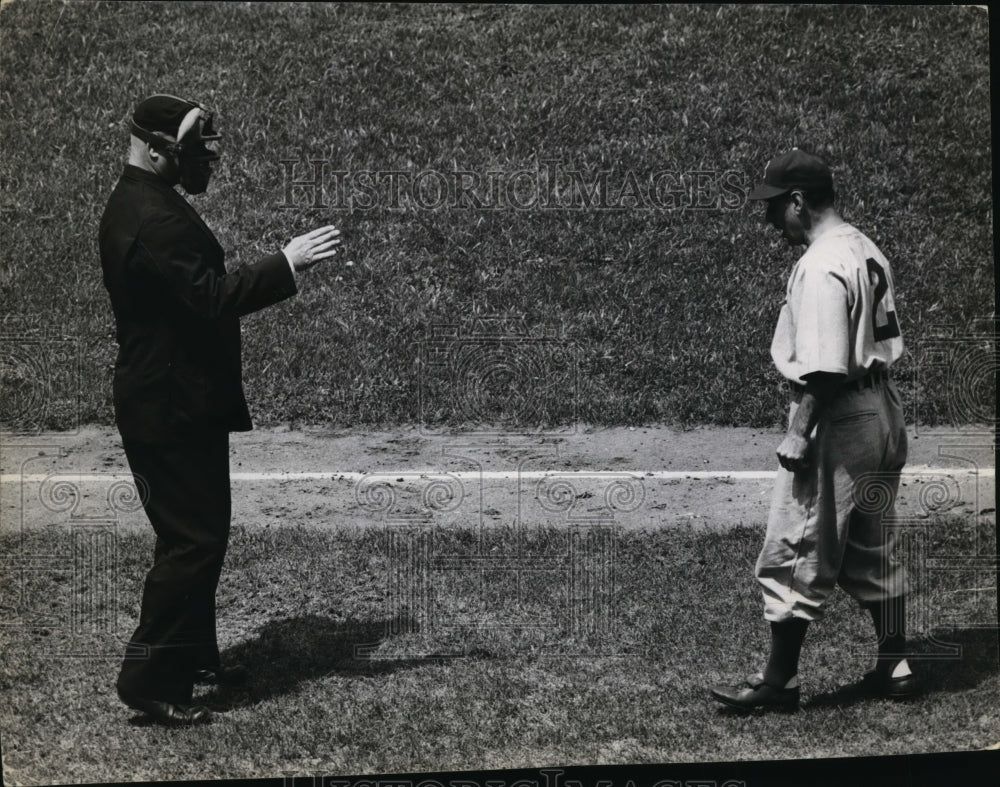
(786, 644)
(889, 617)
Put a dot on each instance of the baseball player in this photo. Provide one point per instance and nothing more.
(836, 339)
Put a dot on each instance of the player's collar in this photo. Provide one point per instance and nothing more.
(833, 231)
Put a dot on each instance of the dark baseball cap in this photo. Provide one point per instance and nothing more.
(795, 169)
(162, 113)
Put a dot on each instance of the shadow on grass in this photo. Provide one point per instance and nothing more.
(975, 662)
(286, 653)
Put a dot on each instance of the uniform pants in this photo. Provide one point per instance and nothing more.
(828, 523)
(188, 504)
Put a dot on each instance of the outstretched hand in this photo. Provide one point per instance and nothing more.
(306, 250)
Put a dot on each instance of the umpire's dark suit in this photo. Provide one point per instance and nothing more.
(178, 392)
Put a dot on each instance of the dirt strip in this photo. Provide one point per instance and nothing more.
(556, 489)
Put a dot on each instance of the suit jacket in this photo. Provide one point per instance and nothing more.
(177, 311)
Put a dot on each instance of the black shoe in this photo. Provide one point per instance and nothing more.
(880, 683)
(168, 712)
(232, 675)
(755, 694)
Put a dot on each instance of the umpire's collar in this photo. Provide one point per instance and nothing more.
(138, 173)
(133, 172)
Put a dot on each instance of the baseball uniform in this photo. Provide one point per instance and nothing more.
(826, 523)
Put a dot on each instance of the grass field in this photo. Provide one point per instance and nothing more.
(651, 313)
(297, 603)
(574, 241)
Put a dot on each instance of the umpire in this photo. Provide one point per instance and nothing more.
(178, 390)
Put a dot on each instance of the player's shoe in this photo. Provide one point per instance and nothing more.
(884, 682)
(755, 694)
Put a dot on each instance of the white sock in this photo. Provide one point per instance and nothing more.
(793, 682)
(902, 670)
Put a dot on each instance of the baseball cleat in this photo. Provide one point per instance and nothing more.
(879, 683)
(755, 694)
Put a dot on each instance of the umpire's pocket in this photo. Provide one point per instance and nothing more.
(194, 396)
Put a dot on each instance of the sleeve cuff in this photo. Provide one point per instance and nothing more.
(290, 266)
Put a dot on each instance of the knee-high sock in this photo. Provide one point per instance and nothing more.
(889, 617)
(786, 644)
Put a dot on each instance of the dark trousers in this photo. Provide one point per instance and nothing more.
(188, 504)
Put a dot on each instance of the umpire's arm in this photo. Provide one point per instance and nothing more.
(185, 268)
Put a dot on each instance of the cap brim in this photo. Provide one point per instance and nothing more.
(766, 191)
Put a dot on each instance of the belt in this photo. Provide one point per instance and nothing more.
(870, 380)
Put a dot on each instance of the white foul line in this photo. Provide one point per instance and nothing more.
(472, 475)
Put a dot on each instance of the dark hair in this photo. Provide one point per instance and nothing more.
(819, 199)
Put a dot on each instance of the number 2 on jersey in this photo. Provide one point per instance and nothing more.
(884, 321)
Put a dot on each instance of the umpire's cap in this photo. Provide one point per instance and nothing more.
(795, 169)
(173, 116)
